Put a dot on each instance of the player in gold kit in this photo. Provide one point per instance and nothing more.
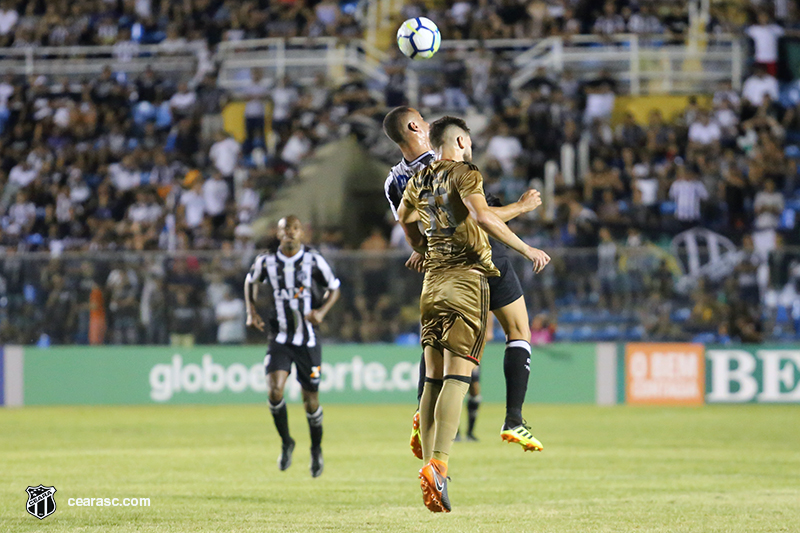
(447, 199)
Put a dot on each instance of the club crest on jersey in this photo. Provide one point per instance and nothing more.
(41, 502)
(289, 294)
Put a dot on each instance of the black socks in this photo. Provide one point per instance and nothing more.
(281, 419)
(315, 427)
(517, 369)
(421, 380)
(473, 404)
(279, 415)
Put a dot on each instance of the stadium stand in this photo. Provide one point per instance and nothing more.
(666, 223)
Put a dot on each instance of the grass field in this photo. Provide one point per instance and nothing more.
(708, 469)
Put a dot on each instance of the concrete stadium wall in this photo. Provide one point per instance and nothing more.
(604, 373)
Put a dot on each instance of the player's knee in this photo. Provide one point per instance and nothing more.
(311, 402)
(518, 330)
(275, 394)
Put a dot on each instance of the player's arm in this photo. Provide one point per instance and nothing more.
(316, 316)
(408, 218)
(250, 296)
(530, 200)
(489, 222)
(324, 273)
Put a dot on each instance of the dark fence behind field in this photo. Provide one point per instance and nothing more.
(608, 293)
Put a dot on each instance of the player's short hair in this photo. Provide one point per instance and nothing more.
(288, 219)
(439, 127)
(394, 124)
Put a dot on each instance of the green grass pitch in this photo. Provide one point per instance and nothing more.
(213, 469)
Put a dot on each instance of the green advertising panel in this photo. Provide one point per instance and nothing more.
(753, 373)
(352, 373)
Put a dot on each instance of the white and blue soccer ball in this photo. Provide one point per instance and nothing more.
(419, 38)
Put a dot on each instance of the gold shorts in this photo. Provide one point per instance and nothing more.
(455, 309)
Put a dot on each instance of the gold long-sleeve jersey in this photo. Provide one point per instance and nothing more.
(455, 241)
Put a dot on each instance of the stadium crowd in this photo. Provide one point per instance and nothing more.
(173, 24)
(118, 164)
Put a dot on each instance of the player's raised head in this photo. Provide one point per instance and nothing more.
(290, 230)
(451, 140)
(402, 124)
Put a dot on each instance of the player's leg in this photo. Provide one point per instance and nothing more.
(308, 361)
(513, 318)
(455, 384)
(508, 305)
(276, 381)
(455, 373)
(454, 309)
(432, 386)
(277, 364)
(473, 403)
(516, 361)
(414, 441)
(314, 416)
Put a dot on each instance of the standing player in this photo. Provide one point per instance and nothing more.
(447, 200)
(406, 127)
(297, 276)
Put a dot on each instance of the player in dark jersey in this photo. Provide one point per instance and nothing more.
(406, 127)
(304, 289)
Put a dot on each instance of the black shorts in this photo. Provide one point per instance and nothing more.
(505, 289)
(476, 374)
(307, 362)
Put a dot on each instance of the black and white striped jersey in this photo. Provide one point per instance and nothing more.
(298, 284)
(398, 177)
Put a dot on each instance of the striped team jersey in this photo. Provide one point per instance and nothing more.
(395, 184)
(298, 284)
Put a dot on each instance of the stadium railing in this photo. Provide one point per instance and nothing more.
(298, 57)
(643, 64)
(81, 61)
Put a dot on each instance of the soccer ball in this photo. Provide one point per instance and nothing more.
(419, 38)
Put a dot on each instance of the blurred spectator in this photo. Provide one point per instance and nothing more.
(296, 147)
(182, 321)
(505, 148)
(97, 315)
(215, 198)
(224, 153)
(8, 19)
(644, 21)
(182, 102)
(747, 273)
(256, 94)
(192, 203)
(541, 331)
(767, 207)
(610, 22)
(704, 135)
(765, 36)
(759, 85)
(284, 98)
(230, 316)
(600, 99)
(688, 193)
(456, 77)
(23, 174)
